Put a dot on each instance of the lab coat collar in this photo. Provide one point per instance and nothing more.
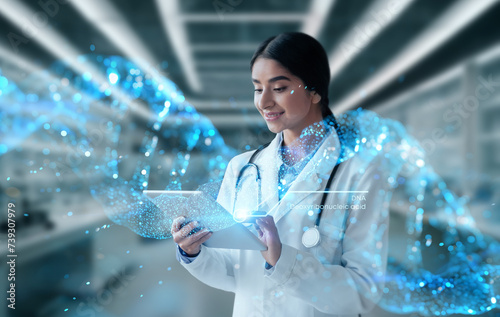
(311, 178)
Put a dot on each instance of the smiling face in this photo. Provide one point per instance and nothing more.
(282, 99)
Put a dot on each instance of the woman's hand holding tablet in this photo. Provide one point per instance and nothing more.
(189, 235)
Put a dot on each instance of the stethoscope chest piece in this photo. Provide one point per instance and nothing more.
(311, 237)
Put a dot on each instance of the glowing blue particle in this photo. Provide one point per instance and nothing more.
(291, 93)
(46, 126)
(448, 196)
(92, 47)
(113, 78)
(128, 251)
(87, 76)
(64, 133)
(142, 295)
(88, 283)
(420, 163)
(493, 300)
(66, 276)
(160, 282)
(70, 213)
(165, 110)
(66, 309)
(140, 266)
(86, 232)
(441, 244)
(169, 269)
(310, 212)
(74, 298)
(211, 132)
(3, 148)
(46, 151)
(77, 97)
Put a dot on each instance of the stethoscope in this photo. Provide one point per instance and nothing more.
(311, 236)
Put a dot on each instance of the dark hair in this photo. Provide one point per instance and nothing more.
(304, 57)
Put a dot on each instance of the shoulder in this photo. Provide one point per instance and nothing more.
(367, 172)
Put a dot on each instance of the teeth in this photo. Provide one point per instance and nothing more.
(272, 116)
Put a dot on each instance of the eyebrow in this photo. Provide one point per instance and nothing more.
(272, 79)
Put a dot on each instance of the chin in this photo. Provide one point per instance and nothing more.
(274, 128)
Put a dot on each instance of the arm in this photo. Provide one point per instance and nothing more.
(356, 285)
(214, 267)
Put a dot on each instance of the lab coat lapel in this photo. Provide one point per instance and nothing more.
(268, 165)
(312, 178)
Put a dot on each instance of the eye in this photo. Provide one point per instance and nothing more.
(280, 89)
(258, 90)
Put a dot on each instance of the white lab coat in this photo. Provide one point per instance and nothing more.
(339, 277)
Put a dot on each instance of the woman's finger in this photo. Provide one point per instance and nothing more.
(259, 231)
(183, 233)
(206, 237)
(188, 228)
(195, 239)
(268, 224)
(177, 223)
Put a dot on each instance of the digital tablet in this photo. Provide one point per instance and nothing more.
(236, 236)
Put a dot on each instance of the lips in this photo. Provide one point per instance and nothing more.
(271, 116)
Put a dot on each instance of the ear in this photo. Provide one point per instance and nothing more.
(316, 98)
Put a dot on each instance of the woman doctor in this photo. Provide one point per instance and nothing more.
(341, 272)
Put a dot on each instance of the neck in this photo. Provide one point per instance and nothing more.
(306, 142)
(291, 135)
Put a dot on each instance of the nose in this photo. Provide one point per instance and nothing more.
(265, 100)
